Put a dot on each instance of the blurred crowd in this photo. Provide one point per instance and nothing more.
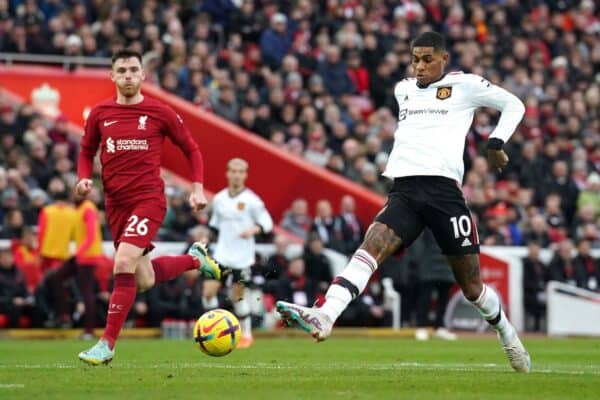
(316, 79)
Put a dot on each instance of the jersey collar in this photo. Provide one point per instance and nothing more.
(430, 83)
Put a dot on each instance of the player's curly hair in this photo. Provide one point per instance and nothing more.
(126, 53)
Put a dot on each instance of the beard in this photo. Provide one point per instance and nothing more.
(129, 90)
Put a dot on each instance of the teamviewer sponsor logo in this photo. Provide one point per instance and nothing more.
(404, 113)
(110, 145)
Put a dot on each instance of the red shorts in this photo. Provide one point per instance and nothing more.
(49, 263)
(136, 223)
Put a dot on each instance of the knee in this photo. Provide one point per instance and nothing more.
(124, 264)
(210, 288)
(472, 290)
(144, 284)
(237, 292)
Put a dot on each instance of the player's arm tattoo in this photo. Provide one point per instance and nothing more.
(381, 241)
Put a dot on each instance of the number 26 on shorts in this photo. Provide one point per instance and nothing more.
(136, 226)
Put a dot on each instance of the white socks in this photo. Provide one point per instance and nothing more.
(242, 311)
(349, 284)
(488, 305)
(211, 303)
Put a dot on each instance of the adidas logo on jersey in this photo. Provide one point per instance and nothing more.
(466, 243)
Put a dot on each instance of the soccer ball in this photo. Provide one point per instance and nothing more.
(217, 332)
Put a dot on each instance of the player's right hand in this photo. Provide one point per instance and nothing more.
(83, 187)
(497, 159)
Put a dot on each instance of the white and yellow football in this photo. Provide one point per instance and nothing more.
(217, 332)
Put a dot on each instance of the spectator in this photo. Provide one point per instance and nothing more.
(351, 225)
(276, 41)
(297, 220)
(15, 301)
(535, 276)
(26, 260)
(277, 263)
(327, 228)
(295, 285)
(562, 267)
(335, 73)
(591, 194)
(586, 266)
(318, 267)
(247, 22)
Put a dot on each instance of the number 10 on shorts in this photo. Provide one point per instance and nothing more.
(136, 227)
(461, 226)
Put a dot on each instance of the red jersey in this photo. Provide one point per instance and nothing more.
(130, 138)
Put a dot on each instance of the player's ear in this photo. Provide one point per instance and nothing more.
(112, 75)
(445, 57)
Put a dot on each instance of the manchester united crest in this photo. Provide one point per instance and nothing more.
(444, 92)
(241, 206)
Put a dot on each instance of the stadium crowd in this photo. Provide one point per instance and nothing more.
(316, 79)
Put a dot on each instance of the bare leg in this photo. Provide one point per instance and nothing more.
(487, 302)
(380, 242)
(144, 274)
(466, 273)
(241, 308)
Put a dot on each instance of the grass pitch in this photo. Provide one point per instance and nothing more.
(295, 368)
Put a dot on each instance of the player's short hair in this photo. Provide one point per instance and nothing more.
(239, 161)
(126, 53)
(430, 39)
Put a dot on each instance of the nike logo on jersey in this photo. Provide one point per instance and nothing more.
(109, 123)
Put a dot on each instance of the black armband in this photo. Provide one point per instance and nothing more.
(495, 144)
(262, 231)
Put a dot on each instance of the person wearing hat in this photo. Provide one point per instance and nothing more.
(276, 41)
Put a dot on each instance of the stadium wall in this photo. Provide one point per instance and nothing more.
(276, 176)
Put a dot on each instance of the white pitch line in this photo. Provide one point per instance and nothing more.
(452, 367)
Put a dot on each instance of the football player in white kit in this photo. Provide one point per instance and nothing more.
(238, 214)
(435, 113)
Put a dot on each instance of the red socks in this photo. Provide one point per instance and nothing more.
(121, 300)
(170, 267)
(125, 289)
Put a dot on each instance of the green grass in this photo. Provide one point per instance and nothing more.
(287, 369)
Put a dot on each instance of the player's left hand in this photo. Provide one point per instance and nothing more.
(197, 199)
(497, 159)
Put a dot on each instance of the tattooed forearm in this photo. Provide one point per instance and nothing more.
(381, 242)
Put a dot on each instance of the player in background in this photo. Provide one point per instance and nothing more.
(238, 215)
(88, 254)
(435, 113)
(56, 230)
(129, 129)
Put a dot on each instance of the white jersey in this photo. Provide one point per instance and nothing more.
(231, 216)
(433, 123)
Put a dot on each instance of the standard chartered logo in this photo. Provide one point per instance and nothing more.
(110, 145)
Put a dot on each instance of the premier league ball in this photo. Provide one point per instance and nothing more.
(217, 332)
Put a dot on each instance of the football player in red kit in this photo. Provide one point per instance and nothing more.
(129, 129)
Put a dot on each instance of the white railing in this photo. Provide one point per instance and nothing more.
(66, 61)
